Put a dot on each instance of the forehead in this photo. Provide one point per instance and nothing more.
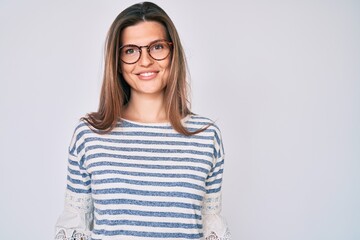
(143, 33)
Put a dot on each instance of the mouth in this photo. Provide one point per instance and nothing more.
(147, 75)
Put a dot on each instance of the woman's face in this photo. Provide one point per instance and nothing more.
(146, 76)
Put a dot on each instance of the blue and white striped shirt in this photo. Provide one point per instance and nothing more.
(143, 181)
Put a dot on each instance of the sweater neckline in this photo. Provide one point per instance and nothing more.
(183, 120)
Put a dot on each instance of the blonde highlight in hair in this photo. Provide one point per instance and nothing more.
(115, 92)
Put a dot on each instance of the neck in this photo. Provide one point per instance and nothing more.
(146, 108)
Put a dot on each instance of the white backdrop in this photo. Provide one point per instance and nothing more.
(281, 78)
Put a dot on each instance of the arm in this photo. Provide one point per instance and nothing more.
(76, 220)
(214, 225)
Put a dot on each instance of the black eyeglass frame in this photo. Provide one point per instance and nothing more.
(148, 50)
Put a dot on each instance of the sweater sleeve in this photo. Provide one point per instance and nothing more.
(76, 220)
(214, 225)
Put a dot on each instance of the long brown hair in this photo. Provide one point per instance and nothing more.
(115, 92)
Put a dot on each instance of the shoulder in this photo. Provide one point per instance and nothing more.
(81, 130)
(201, 121)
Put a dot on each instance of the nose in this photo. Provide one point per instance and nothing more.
(145, 58)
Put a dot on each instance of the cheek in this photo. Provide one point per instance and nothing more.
(125, 70)
(166, 65)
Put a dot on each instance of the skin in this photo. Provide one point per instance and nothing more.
(148, 77)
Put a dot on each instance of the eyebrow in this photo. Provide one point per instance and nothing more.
(133, 44)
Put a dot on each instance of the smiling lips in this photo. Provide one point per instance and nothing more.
(147, 75)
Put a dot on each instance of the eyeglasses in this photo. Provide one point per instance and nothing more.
(158, 50)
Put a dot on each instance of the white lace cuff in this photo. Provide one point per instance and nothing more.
(64, 234)
(215, 228)
(212, 204)
(82, 203)
(76, 221)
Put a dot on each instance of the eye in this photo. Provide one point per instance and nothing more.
(129, 50)
(158, 46)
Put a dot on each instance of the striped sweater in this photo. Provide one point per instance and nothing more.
(144, 181)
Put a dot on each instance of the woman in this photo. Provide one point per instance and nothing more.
(143, 166)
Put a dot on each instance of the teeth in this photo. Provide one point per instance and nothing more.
(147, 74)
